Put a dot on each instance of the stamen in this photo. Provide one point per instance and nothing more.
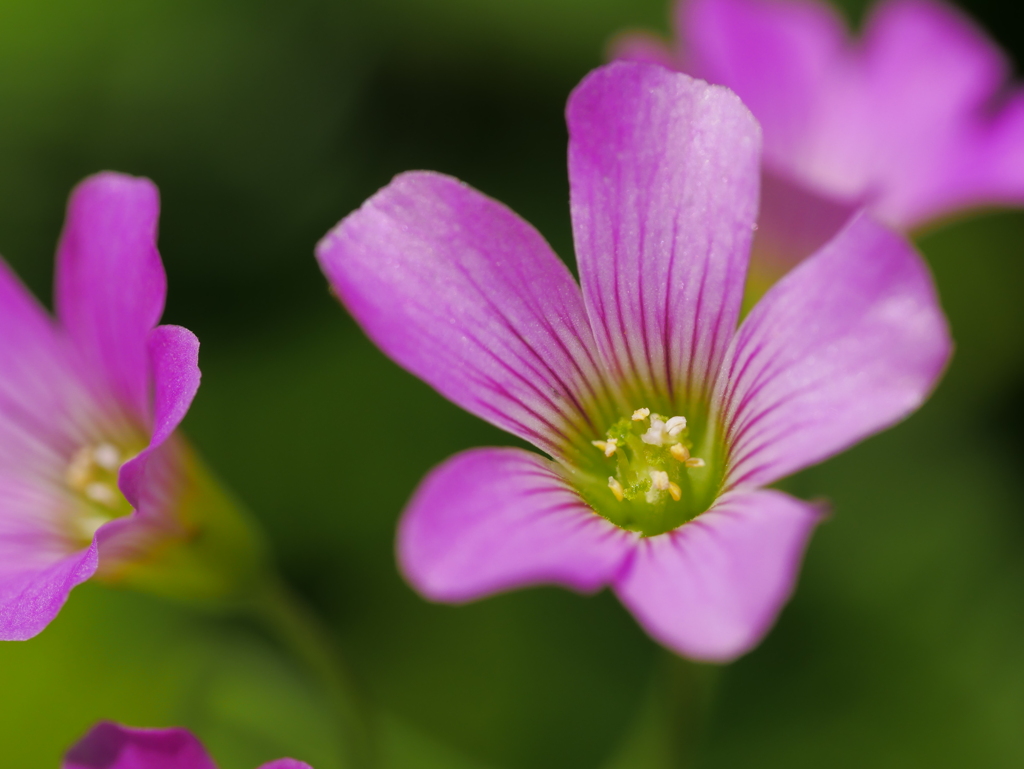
(608, 447)
(675, 491)
(107, 456)
(694, 462)
(655, 435)
(641, 414)
(102, 493)
(80, 469)
(659, 480)
(675, 425)
(679, 452)
(616, 488)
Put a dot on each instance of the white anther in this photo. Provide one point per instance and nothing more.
(655, 435)
(675, 425)
(80, 470)
(694, 462)
(102, 493)
(679, 452)
(608, 447)
(616, 488)
(675, 491)
(641, 414)
(107, 456)
(659, 480)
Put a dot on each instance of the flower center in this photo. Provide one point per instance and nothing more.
(92, 478)
(645, 476)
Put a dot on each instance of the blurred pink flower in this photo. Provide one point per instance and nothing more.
(88, 405)
(916, 119)
(664, 421)
(112, 746)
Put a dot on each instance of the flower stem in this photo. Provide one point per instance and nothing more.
(667, 730)
(287, 616)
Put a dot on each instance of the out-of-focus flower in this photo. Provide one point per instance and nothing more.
(112, 746)
(663, 420)
(93, 478)
(915, 119)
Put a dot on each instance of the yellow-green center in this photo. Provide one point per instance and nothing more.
(92, 477)
(650, 472)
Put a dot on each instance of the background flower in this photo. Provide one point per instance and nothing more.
(915, 118)
(112, 746)
(90, 476)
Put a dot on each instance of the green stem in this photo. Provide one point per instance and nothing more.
(299, 629)
(668, 729)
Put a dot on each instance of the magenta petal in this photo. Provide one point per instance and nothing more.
(916, 117)
(847, 344)
(712, 588)
(112, 746)
(466, 295)
(32, 595)
(174, 358)
(663, 174)
(110, 283)
(490, 520)
(795, 221)
(286, 763)
(38, 386)
(779, 56)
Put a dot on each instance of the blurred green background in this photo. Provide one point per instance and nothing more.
(263, 123)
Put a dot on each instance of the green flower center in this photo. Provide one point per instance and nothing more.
(92, 478)
(651, 473)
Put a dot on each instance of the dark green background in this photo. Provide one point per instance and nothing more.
(264, 123)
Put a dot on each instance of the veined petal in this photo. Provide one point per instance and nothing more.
(490, 520)
(110, 283)
(43, 407)
(174, 359)
(712, 588)
(847, 344)
(112, 746)
(35, 583)
(467, 296)
(663, 173)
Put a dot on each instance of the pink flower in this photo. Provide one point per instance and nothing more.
(89, 465)
(664, 422)
(915, 119)
(112, 746)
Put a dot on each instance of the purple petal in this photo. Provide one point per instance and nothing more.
(467, 296)
(930, 77)
(112, 746)
(174, 358)
(34, 586)
(41, 400)
(794, 223)
(847, 344)
(286, 763)
(490, 520)
(779, 56)
(663, 176)
(913, 116)
(110, 284)
(712, 588)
